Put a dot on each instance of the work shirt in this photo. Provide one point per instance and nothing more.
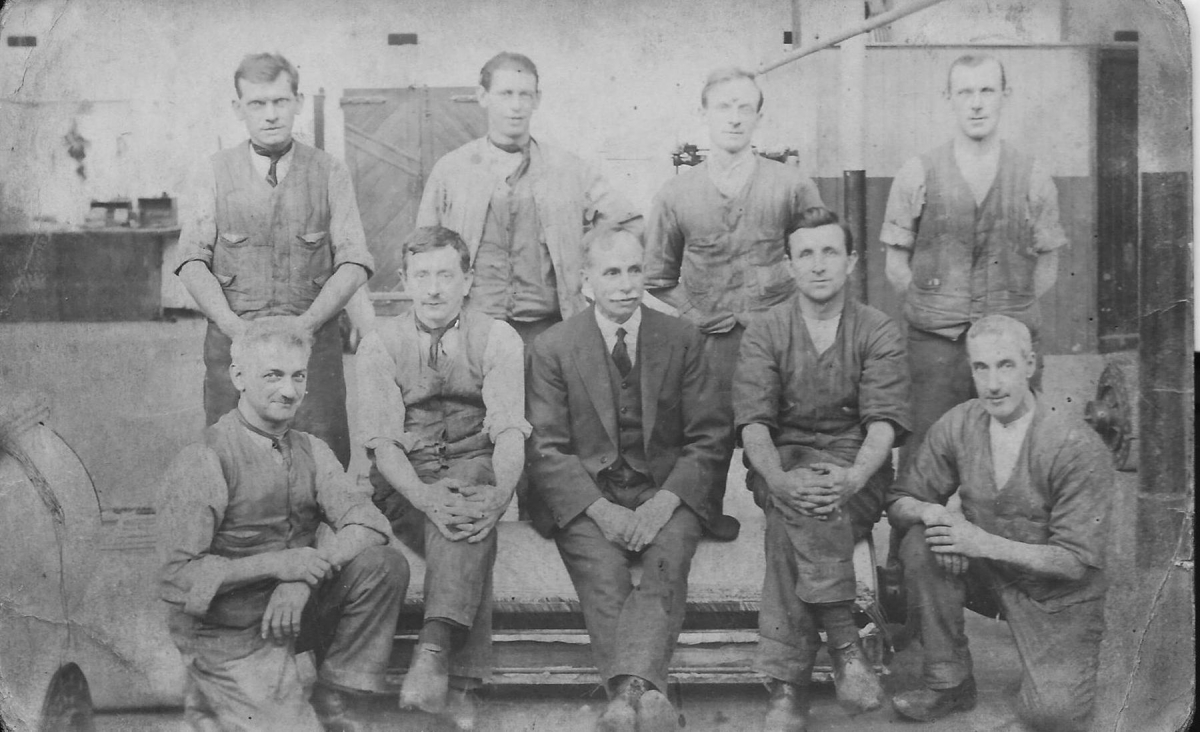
(822, 400)
(476, 393)
(238, 494)
(1058, 493)
(272, 248)
(971, 256)
(570, 197)
(720, 259)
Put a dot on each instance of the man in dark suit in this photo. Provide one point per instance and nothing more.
(627, 433)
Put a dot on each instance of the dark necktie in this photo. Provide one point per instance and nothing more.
(523, 167)
(620, 354)
(275, 156)
(435, 339)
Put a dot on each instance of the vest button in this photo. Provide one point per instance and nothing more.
(604, 459)
(624, 410)
(624, 384)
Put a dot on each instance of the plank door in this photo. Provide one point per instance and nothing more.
(393, 138)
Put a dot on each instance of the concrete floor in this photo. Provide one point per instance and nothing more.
(126, 397)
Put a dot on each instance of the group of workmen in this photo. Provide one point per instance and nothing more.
(602, 368)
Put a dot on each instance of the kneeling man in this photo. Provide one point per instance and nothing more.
(442, 394)
(246, 581)
(1035, 488)
(628, 431)
(821, 397)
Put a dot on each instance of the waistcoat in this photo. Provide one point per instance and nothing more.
(513, 274)
(627, 393)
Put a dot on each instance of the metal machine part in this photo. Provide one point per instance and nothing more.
(1114, 411)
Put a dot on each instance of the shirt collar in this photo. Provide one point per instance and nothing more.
(608, 328)
(275, 439)
(1020, 424)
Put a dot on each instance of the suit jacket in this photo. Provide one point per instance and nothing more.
(570, 403)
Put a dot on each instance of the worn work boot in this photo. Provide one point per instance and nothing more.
(787, 710)
(656, 713)
(333, 708)
(929, 705)
(858, 688)
(621, 713)
(427, 681)
(462, 709)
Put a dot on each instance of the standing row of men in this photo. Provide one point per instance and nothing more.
(622, 418)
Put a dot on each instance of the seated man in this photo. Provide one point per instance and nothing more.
(627, 432)
(443, 402)
(1035, 489)
(821, 397)
(246, 583)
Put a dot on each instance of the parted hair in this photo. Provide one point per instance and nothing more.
(729, 73)
(263, 68)
(1003, 326)
(815, 217)
(603, 235)
(428, 238)
(506, 60)
(971, 60)
(277, 330)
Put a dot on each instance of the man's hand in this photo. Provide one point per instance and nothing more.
(650, 517)
(801, 491)
(304, 564)
(282, 618)
(957, 536)
(492, 501)
(615, 522)
(844, 482)
(450, 511)
(954, 564)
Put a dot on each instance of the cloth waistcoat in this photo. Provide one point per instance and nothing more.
(444, 406)
(272, 507)
(973, 260)
(272, 254)
(513, 273)
(631, 437)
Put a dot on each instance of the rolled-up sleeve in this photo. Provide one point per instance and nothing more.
(192, 505)
(1048, 234)
(664, 245)
(757, 384)
(884, 385)
(906, 200)
(381, 403)
(345, 224)
(198, 218)
(340, 500)
(933, 475)
(504, 383)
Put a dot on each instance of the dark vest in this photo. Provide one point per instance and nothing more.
(443, 406)
(973, 260)
(273, 252)
(271, 508)
(627, 394)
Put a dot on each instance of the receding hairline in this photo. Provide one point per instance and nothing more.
(974, 61)
(606, 238)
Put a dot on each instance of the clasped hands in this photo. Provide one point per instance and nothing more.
(461, 510)
(299, 571)
(634, 529)
(817, 490)
(952, 539)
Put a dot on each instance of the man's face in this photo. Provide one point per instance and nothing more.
(437, 284)
(732, 114)
(614, 276)
(510, 104)
(977, 96)
(1001, 375)
(272, 382)
(269, 110)
(820, 263)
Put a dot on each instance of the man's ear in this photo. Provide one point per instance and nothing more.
(235, 375)
(238, 111)
(299, 102)
(481, 96)
(851, 261)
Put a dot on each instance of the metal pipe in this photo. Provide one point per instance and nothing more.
(319, 119)
(869, 24)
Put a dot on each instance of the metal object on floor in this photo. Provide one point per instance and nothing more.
(1114, 411)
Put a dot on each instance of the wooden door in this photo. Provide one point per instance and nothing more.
(393, 138)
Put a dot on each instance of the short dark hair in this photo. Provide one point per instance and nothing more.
(506, 60)
(816, 217)
(263, 68)
(971, 60)
(603, 235)
(428, 238)
(729, 73)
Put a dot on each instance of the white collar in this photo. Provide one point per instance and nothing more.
(608, 328)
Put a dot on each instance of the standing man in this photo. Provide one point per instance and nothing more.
(247, 583)
(274, 230)
(443, 399)
(715, 239)
(820, 398)
(1029, 544)
(627, 432)
(971, 228)
(522, 206)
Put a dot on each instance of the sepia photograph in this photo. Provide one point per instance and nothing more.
(611, 366)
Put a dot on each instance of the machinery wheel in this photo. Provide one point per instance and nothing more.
(1114, 412)
(68, 704)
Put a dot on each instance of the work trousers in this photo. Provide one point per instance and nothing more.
(323, 411)
(528, 330)
(633, 629)
(1059, 646)
(237, 681)
(721, 355)
(458, 574)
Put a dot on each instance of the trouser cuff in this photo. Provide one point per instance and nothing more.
(945, 675)
(779, 660)
(352, 680)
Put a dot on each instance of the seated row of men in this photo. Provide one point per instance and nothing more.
(616, 422)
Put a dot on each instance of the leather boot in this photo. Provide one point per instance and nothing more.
(334, 710)
(929, 705)
(427, 681)
(656, 713)
(462, 709)
(787, 709)
(858, 688)
(621, 713)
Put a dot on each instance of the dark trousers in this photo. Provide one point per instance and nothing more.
(323, 411)
(1059, 647)
(351, 619)
(458, 575)
(633, 629)
(721, 355)
(528, 330)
